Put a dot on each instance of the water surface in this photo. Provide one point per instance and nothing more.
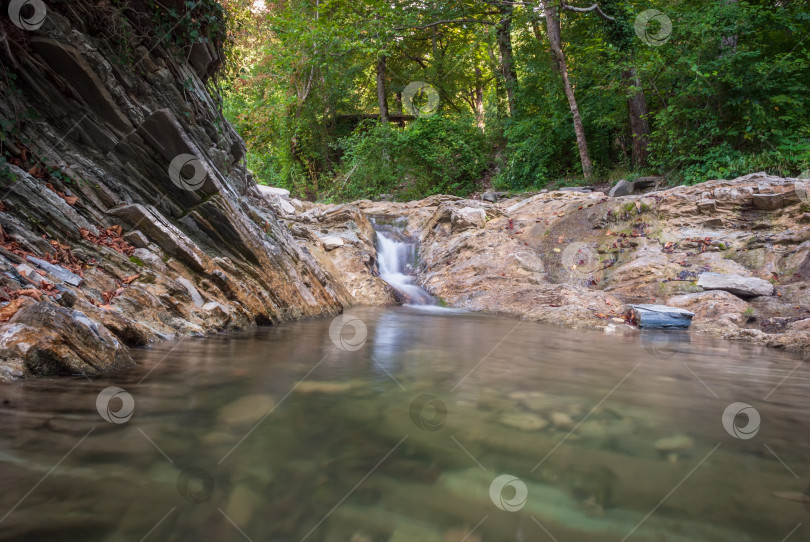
(281, 435)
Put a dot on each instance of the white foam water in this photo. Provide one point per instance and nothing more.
(397, 260)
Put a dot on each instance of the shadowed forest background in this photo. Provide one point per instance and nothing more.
(530, 94)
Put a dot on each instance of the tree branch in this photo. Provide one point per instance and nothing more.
(594, 7)
(447, 21)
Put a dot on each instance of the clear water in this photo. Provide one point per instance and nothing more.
(280, 435)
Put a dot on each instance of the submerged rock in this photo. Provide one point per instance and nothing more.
(524, 421)
(249, 409)
(678, 443)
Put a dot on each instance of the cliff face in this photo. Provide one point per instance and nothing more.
(126, 208)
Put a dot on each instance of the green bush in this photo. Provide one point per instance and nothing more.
(436, 155)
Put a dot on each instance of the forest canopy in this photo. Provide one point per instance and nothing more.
(341, 99)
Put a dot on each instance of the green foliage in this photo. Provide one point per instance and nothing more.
(726, 95)
(429, 156)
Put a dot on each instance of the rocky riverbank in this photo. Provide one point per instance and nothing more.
(733, 252)
(127, 214)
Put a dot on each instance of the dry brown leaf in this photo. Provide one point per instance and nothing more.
(11, 309)
(31, 292)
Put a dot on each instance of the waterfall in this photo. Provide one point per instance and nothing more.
(397, 260)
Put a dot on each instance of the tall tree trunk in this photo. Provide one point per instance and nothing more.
(553, 29)
(398, 107)
(381, 98)
(637, 109)
(504, 36)
(478, 99)
(500, 91)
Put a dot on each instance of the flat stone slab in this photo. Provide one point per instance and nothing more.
(735, 284)
(332, 242)
(57, 271)
(768, 202)
(273, 191)
(661, 317)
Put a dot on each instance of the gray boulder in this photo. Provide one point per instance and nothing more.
(661, 317)
(735, 284)
(622, 188)
(768, 202)
(273, 191)
(492, 196)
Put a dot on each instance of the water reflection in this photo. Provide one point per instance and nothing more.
(282, 435)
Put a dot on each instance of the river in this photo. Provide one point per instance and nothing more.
(412, 424)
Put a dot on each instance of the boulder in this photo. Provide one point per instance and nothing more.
(46, 339)
(136, 239)
(768, 202)
(622, 188)
(735, 284)
(332, 242)
(467, 218)
(661, 316)
(711, 308)
(273, 191)
(492, 196)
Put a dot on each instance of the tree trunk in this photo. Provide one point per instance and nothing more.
(478, 99)
(507, 68)
(381, 98)
(553, 29)
(637, 109)
(398, 107)
(500, 91)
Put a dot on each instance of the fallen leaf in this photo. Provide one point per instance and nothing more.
(131, 279)
(31, 292)
(11, 309)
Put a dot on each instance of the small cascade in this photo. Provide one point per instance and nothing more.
(397, 257)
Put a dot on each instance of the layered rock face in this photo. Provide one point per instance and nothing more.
(736, 253)
(125, 197)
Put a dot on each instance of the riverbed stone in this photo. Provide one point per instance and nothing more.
(561, 420)
(523, 421)
(246, 410)
(677, 443)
